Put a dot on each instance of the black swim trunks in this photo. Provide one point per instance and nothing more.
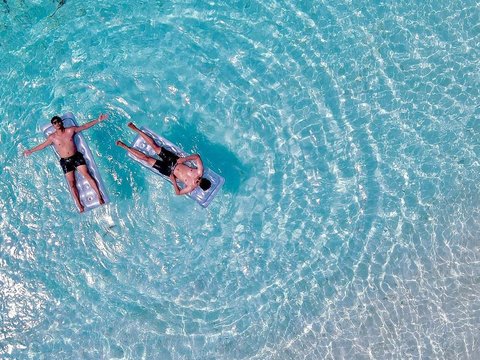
(71, 163)
(167, 162)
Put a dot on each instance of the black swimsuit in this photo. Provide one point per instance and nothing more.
(167, 162)
(71, 163)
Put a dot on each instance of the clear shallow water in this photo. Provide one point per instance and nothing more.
(348, 223)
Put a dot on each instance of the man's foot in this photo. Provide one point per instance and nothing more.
(132, 126)
(121, 144)
(100, 200)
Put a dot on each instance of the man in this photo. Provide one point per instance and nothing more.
(171, 165)
(71, 159)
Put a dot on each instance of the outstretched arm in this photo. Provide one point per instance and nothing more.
(183, 191)
(91, 123)
(39, 147)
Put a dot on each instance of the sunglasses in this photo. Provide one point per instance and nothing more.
(56, 122)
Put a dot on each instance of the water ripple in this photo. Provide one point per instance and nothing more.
(346, 226)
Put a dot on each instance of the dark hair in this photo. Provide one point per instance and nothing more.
(56, 118)
(205, 184)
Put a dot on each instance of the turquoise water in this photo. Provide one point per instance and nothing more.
(348, 135)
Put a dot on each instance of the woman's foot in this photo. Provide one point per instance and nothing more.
(100, 200)
(81, 208)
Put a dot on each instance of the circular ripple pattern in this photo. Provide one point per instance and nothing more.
(348, 138)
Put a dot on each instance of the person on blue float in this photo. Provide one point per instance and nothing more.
(171, 165)
(70, 158)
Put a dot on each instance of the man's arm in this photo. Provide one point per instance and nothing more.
(183, 191)
(199, 165)
(194, 157)
(91, 123)
(39, 147)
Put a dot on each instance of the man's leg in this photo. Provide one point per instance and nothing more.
(72, 183)
(93, 183)
(145, 137)
(138, 154)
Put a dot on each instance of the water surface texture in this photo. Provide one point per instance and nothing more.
(348, 136)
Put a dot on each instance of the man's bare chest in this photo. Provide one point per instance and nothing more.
(187, 174)
(64, 139)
